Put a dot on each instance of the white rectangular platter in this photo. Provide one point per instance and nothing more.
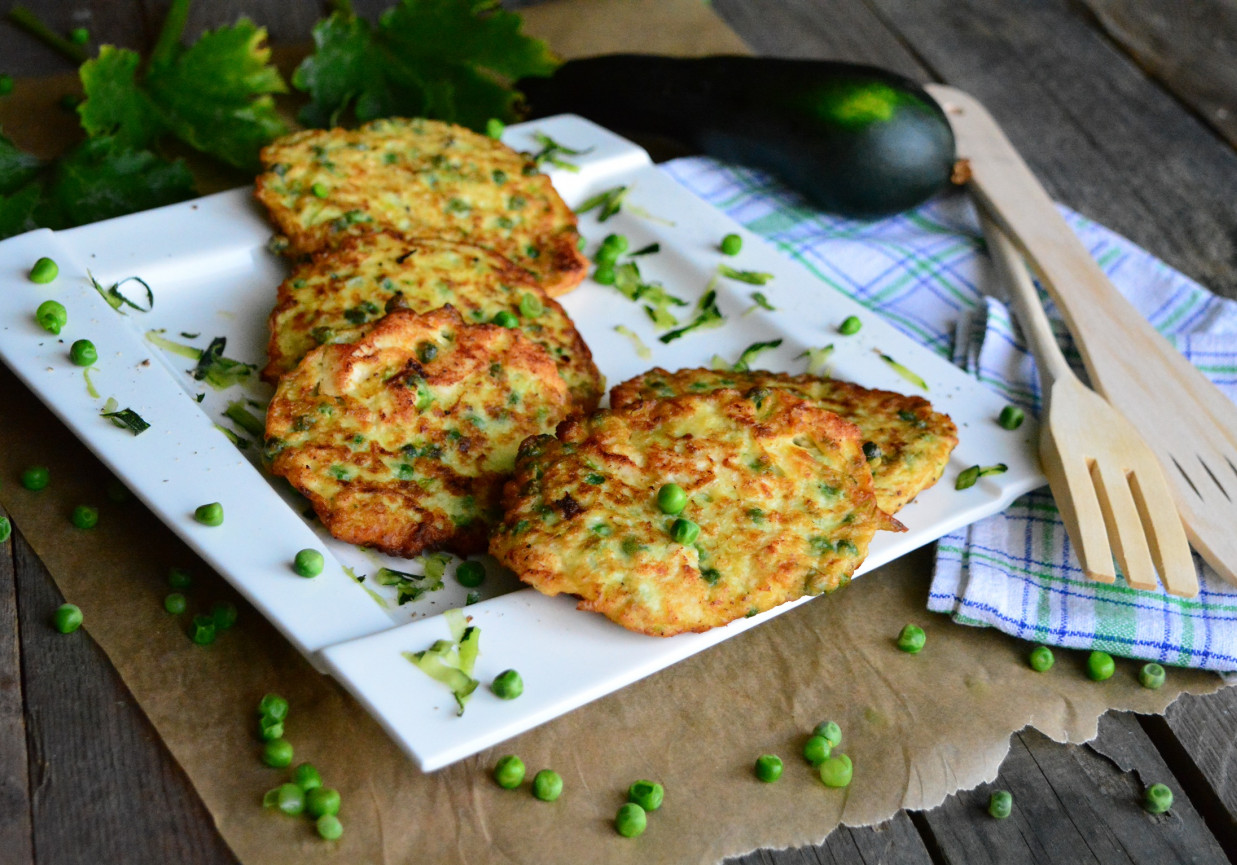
(207, 264)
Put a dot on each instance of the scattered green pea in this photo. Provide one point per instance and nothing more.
(606, 256)
(470, 574)
(816, 749)
(329, 828)
(1100, 666)
(1041, 659)
(175, 603)
(319, 190)
(505, 318)
(67, 618)
(35, 478)
(6, 529)
(322, 801)
(83, 352)
(507, 685)
(44, 271)
(647, 794)
(1000, 804)
(684, 531)
(209, 514)
(604, 275)
(179, 578)
(547, 785)
(269, 729)
(306, 777)
(51, 316)
(732, 244)
(6, 85)
(1152, 676)
(912, 639)
(630, 821)
(223, 613)
(277, 753)
(1157, 799)
(273, 706)
(495, 128)
(531, 306)
(84, 517)
(671, 499)
(1011, 417)
(509, 772)
(203, 630)
(768, 767)
(290, 799)
(79, 35)
(836, 770)
(308, 563)
(830, 730)
(617, 242)
(850, 325)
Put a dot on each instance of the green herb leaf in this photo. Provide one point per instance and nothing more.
(751, 277)
(408, 586)
(760, 302)
(125, 418)
(552, 152)
(115, 298)
(646, 250)
(708, 315)
(642, 350)
(903, 371)
(240, 415)
(218, 371)
(629, 282)
(610, 202)
(743, 364)
(817, 358)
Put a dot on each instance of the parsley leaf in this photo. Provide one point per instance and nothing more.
(446, 59)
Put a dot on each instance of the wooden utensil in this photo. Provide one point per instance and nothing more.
(1189, 424)
(1107, 482)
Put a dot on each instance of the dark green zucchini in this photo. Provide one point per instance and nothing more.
(855, 140)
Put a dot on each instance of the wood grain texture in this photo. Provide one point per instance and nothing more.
(118, 22)
(15, 828)
(894, 842)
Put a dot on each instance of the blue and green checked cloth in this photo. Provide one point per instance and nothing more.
(926, 272)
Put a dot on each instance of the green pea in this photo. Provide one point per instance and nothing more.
(617, 242)
(1152, 676)
(647, 794)
(547, 785)
(175, 603)
(671, 498)
(1011, 417)
(830, 730)
(35, 478)
(850, 325)
(836, 770)
(209, 514)
(6, 85)
(79, 35)
(871, 451)
(290, 799)
(912, 639)
(329, 828)
(306, 777)
(470, 574)
(67, 618)
(507, 685)
(606, 256)
(269, 729)
(505, 318)
(203, 630)
(1041, 659)
(322, 801)
(509, 772)
(1100, 666)
(44, 271)
(308, 563)
(1000, 804)
(6, 529)
(1157, 799)
(51, 316)
(495, 128)
(319, 190)
(277, 753)
(768, 767)
(85, 517)
(83, 352)
(684, 531)
(224, 614)
(630, 821)
(816, 749)
(531, 306)
(273, 706)
(179, 578)
(732, 244)
(604, 275)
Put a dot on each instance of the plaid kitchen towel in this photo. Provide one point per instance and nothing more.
(925, 271)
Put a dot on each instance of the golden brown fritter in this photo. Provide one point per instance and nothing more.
(420, 177)
(335, 296)
(780, 489)
(402, 439)
(910, 442)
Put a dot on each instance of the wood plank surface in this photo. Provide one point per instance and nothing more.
(16, 840)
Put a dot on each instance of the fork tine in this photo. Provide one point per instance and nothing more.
(1169, 548)
(1125, 525)
(1076, 500)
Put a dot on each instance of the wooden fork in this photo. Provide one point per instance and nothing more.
(1107, 482)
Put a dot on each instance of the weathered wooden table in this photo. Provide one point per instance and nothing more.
(1126, 109)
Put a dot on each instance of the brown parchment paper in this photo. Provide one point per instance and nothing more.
(917, 727)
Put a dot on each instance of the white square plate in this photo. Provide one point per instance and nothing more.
(207, 264)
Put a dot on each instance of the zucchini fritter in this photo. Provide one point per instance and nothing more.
(402, 440)
(910, 442)
(780, 489)
(420, 177)
(335, 296)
